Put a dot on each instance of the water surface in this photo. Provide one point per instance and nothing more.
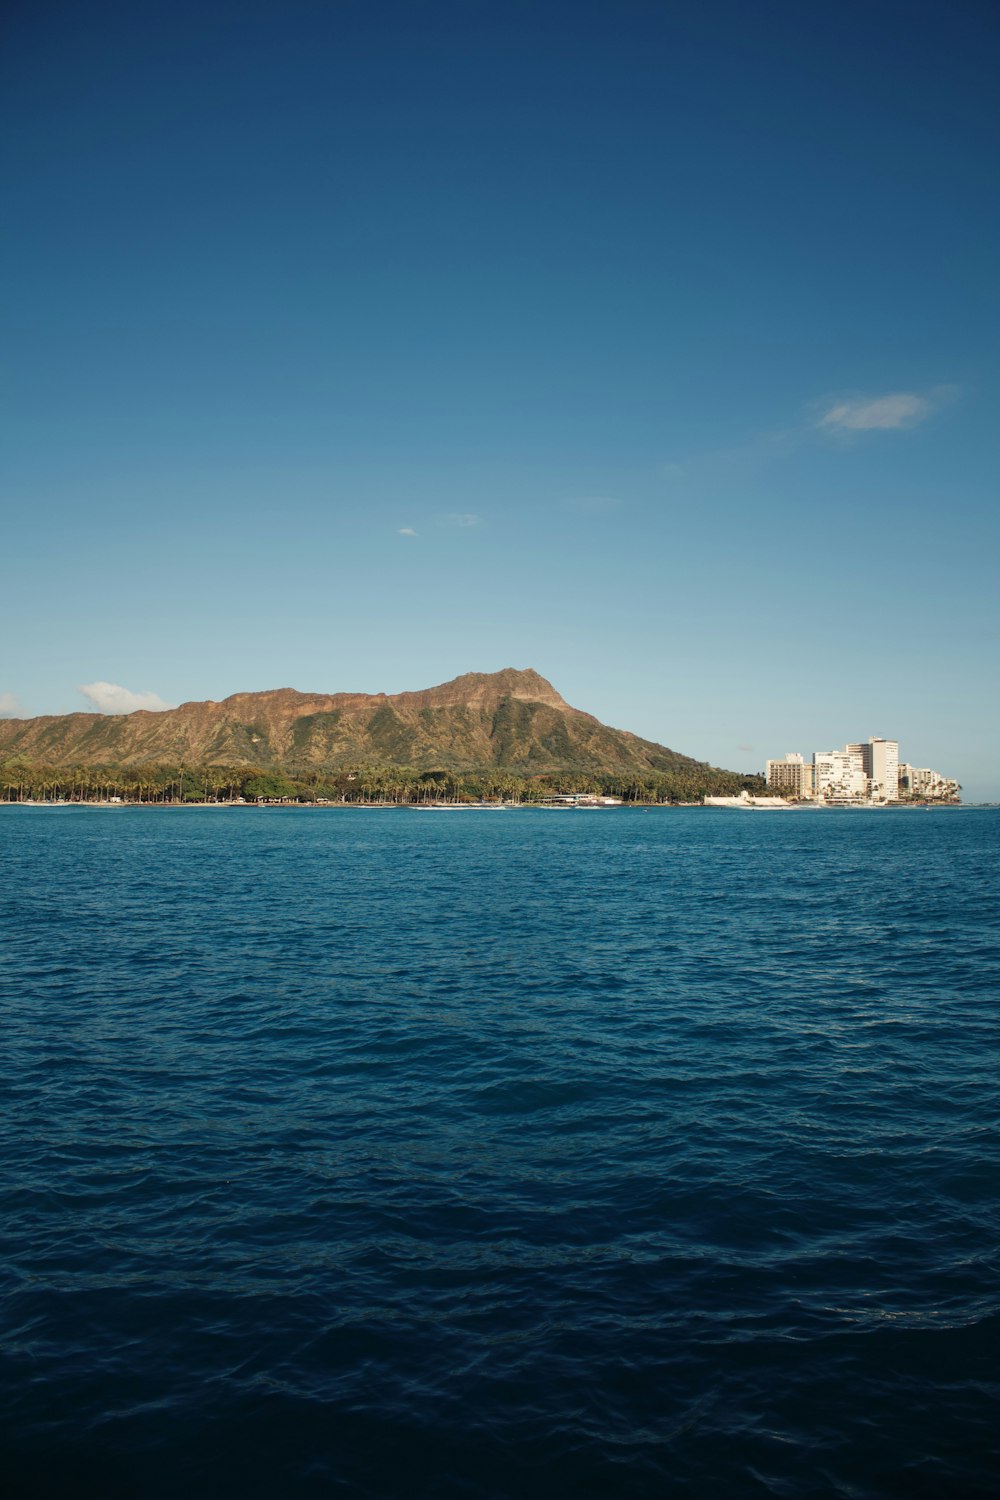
(623, 1153)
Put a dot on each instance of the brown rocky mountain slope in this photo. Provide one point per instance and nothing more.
(513, 720)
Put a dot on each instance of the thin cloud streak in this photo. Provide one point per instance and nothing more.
(462, 519)
(406, 531)
(592, 505)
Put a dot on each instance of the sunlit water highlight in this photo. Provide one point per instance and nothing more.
(621, 1153)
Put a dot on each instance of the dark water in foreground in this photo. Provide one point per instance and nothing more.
(639, 1153)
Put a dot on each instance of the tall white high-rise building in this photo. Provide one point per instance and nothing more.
(882, 768)
(880, 759)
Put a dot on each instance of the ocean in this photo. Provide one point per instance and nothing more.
(620, 1153)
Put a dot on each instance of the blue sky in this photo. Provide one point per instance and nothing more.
(358, 345)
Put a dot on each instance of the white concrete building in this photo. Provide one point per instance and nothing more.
(840, 774)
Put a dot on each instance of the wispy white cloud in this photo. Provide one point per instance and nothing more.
(890, 413)
(9, 707)
(462, 519)
(879, 414)
(109, 698)
(406, 531)
(747, 749)
(843, 418)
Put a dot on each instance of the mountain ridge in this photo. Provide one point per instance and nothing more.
(513, 719)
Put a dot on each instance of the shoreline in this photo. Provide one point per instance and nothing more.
(493, 806)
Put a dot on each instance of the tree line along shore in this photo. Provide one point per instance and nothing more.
(164, 785)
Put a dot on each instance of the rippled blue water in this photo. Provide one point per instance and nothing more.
(391, 1153)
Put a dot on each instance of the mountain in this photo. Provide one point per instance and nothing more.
(511, 720)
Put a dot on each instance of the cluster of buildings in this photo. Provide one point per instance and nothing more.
(868, 772)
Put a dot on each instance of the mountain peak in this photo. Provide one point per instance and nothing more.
(481, 688)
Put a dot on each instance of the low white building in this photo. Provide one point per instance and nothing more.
(925, 785)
